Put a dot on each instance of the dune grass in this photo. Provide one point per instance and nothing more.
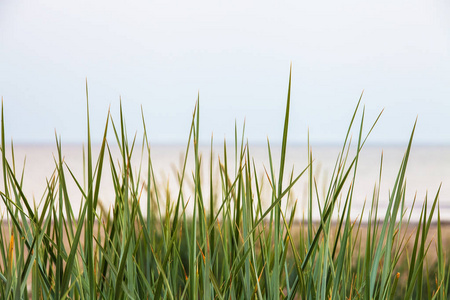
(230, 247)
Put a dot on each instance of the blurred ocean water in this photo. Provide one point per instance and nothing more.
(428, 167)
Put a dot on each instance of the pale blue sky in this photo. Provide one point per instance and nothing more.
(159, 54)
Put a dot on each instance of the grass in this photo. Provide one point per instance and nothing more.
(232, 246)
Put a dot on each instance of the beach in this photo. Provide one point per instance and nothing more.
(428, 169)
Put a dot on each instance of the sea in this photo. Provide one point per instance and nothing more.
(428, 171)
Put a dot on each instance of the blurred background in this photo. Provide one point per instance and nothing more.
(235, 55)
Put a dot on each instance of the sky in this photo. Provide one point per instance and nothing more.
(235, 55)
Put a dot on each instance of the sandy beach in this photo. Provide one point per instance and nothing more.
(297, 227)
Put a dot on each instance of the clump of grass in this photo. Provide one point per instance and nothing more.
(236, 249)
